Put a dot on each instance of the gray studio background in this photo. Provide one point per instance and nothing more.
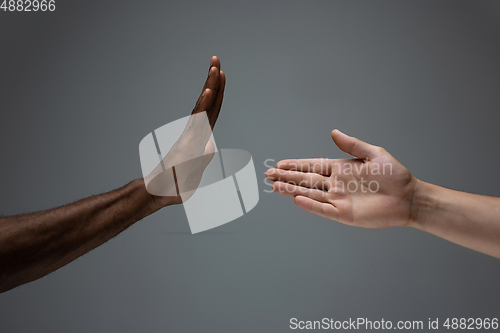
(80, 87)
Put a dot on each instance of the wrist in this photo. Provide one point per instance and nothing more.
(423, 203)
(152, 202)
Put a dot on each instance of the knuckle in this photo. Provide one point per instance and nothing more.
(380, 150)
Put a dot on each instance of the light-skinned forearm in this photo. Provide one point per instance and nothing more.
(466, 219)
(33, 245)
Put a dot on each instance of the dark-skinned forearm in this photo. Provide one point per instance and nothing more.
(33, 245)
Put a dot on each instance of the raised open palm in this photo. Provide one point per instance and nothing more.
(180, 171)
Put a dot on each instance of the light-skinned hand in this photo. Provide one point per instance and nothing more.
(372, 190)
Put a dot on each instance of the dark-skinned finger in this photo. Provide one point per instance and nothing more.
(214, 113)
(212, 84)
(206, 100)
(211, 81)
(214, 61)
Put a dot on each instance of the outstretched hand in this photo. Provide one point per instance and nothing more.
(372, 190)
